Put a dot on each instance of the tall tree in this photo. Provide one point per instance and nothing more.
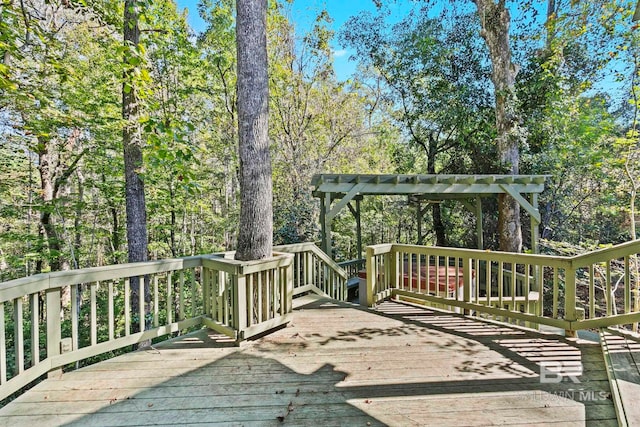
(132, 145)
(255, 237)
(433, 69)
(495, 21)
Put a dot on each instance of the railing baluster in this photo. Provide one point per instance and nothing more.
(501, 280)
(76, 296)
(35, 330)
(181, 296)
(592, 292)
(446, 277)
(456, 287)
(514, 287)
(610, 297)
(271, 291)
(156, 302)
(127, 306)
(18, 337)
(3, 347)
(251, 280)
(540, 286)
(260, 298)
(475, 284)
(527, 286)
(194, 291)
(487, 281)
(206, 291)
(110, 315)
(94, 314)
(229, 283)
(142, 321)
(437, 274)
(169, 298)
(217, 295)
(555, 292)
(427, 274)
(627, 285)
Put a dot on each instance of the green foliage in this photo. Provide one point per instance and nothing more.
(421, 103)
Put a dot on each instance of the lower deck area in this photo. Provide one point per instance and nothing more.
(338, 364)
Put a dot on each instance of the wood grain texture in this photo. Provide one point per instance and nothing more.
(623, 356)
(335, 364)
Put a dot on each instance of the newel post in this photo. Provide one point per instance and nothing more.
(371, 280)
(570, 312)
(394, 267)
(54, 330)
(240, 303)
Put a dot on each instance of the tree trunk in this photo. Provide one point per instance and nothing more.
(436, 212)
(255, 238)
(132, 143)
(48, 231)
(495, 20)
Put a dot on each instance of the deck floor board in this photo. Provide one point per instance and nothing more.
(335, 364)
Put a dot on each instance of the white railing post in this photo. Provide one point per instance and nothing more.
(391, 280)
(289, 289)
(570, 312)
(240, 304)
(367, 297)
(54, 331)
(467, 278)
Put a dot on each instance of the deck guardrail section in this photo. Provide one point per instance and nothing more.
(591, 290)
(50, 320)
(59, 312)
(245, 298)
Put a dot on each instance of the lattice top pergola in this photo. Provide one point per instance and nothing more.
(341, 189)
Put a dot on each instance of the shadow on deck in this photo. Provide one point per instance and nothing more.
(337, 364)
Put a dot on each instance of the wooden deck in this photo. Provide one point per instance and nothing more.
(335, 365)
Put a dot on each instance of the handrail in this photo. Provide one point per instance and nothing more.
(41, 282)
(563, 291)
(315, 271)
(601, 255)
(309, 246)
(353, 267)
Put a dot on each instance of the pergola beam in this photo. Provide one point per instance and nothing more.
(343, 188)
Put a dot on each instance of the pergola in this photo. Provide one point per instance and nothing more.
(337, 191)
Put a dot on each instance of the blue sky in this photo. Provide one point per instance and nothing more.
(303, 13)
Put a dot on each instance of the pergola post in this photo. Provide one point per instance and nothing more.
(419, 221)
(358, 230)
(535, 224)
(325, 223)
(479, 223)
(356, 215)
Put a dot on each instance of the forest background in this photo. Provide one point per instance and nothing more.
(422, 101)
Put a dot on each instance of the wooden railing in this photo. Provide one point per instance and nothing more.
(353, 267)
(585, 291)
(50, 320)
(314, 271)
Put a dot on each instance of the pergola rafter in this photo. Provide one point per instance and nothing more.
(336, 191)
